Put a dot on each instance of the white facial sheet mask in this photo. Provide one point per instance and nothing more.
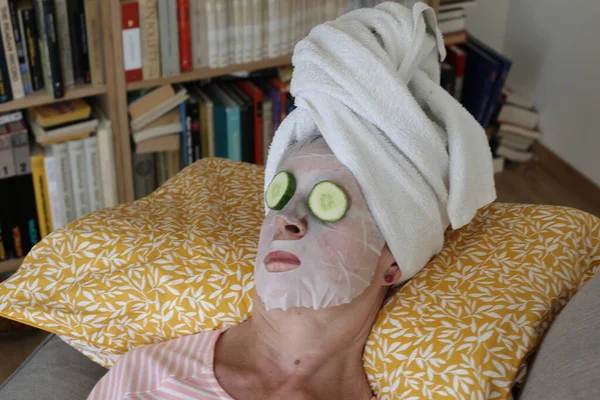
(337, 260)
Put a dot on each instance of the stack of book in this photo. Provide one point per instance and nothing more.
(452, 20)
(51, 44)
(230, 118)
(167, 38)
(45, 187)
(517, 128)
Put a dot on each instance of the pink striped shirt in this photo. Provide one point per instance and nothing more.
(178, 369)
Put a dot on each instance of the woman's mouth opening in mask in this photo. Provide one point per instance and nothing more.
(281, 261)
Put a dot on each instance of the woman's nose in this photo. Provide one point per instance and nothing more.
(289, 228)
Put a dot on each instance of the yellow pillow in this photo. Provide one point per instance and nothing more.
(181, 261)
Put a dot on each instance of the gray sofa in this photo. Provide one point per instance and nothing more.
(567, 364)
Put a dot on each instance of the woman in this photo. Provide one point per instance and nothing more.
(376, 160)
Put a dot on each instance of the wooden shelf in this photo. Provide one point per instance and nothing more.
(42, 97)
(205, 73)
(10, 265)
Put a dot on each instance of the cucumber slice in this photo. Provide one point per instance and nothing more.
(281, 190)
(328, 202)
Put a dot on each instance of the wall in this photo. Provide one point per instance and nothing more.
(553, 45)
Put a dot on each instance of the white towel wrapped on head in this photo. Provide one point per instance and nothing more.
(369, 83)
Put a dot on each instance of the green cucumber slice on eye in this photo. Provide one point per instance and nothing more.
(328, 202)
(280, 190)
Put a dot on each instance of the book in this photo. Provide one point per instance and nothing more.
(506, 128)
(222, 31)
(257, 110)
(276, 104)
(226, 123)
(480, 76)
(9, 117)
(150, 38)
(106, 161)
(273, 29)
(21, 47)
(19, 137)
(212, 33)
(154, 105)
(244, 102)
(257, 30)
(144, 174)
(199, 34)
(49, 48)
(5, 89)
(455, 38)
(504, 69)
(454, 4)
(170, 142)
(452, 25)
(516, 142)
(94, 42)
(64, 41)
(62, 133)
(162, 168)
(524, 117)
(458, 58)
(30, 36)
(498, 163)
(514, 155)
(20, 226)
(186, 141)
(40, 189)
(80, 42)
(207, 131)
(451, 14)
(447, 76)
(184, 34)
(132, 41)
(193, 116)
(93, 179)
(247, 31)
(513, 97)
(168, 124)
(267, 116)
(173, 163)
(10, 51)
(54, 190)
(7, 161)
(169, 38)
(60, 113)
(78, 175)
(60, 152)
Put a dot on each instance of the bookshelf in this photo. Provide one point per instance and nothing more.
(42, 97)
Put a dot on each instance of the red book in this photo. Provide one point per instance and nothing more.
(185, 40)
(283, 91)
(457, 57)
(451, 39)
(132, 45)
(256, 95)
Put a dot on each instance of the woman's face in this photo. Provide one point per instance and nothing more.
(305, 262)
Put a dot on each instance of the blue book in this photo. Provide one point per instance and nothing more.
(226, 116)
(480, 76)
(273, 94)
(505, 64)
(184, 134)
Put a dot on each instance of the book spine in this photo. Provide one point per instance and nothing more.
(84, 43)
(204, 129)
(55, 190)
(93, 41)
(184, 33)
(162, 168)
(10, 50)
(92, 170)
(169, 43)
(5, 89)
(212, 33)
(21, 153)
(64, 42)
(235, 12)
(132, 45)
(32, 49)
(220, 129)
(51, 40)
(40, 189)
(267, 107)
(63, 167)
(76, 50)
(199, 33)
(107, 164)
(184, 133)
(21, 48)
(7, 161)
(257, 22)
(234, 135)
(247, 31)
(150, 39)
(274, 35)
(78, 177)
(222, 33)
(193, 111)
(144, 168)
(11, 117)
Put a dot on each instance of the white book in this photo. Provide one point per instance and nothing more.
(45, 137)
(451, 14)
(267, 112)
(107, 163)
(13, 116)
(274, 32)
(222, 33)
(78, 177)
(64, 42)
(212, 33)
(284, 26)
(54, 190)
(169, 38)
(257, 30)
(236, 23)
(152, 115)
(65, 186)
(514, 155)
(453, 25)
(517, 130)
(7, 161)
(516, 98)
(330, 10)
(10, 52)
(92, 171)
(27, 77)
(200, 33)
(247, 31)
(456, 4)
(516, 115)
(157, 131)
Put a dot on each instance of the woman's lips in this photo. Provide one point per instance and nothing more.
(281, 261)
